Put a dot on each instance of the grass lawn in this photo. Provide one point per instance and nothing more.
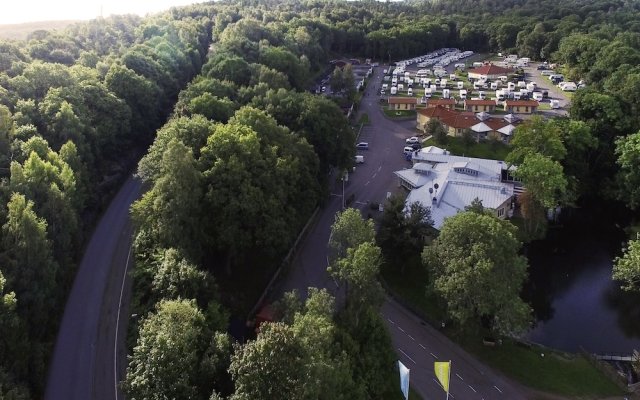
(364, 119)
(544, 106)
(410, 285)
(486, 149)
(399, 113)
(559, 373)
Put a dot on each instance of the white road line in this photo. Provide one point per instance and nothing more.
(434, 356)
(374, 175)
(379, 168)
(406, 355)
(498, 389)
(366, 183)
(459, 377)
(440, 384)
(391, 321)
(471, 387)
(411, 337)
(115, 341)
(401, 330)
(421, 345)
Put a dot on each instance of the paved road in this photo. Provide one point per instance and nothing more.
(416, 344)
(543, 83)
(83, 365)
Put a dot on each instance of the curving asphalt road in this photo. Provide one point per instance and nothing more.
(417, 344)
(84, 359)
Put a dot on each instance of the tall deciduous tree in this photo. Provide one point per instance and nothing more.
(536, 136)
(476, 268)
(31, 272)
(626, 268)
(164, 362)
(349, 231)
(628, 152)
(274, 366)
(171, 210)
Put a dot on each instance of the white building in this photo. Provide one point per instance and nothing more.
(447, 184)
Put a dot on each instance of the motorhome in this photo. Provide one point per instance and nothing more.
(463, 94)
(446, 93)
(452, 77)
(394, 90)
(460, 66)
(554, 104)
(443, 83)
(460, 84)
(410, 92)
(503, 78)
(568, 86)
(522, 84)
(538, 96)
(494, 85)
(481, 95)
(511, 86)
(500, 96)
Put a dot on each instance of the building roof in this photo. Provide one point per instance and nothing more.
(456, 189)
(403, 100)
(522, 103)
(436, 112)
(440, 102)
(460, 121)
(507, 130)
(490, 69)
(472, 102)
(481, 127)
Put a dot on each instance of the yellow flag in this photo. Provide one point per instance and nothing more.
(443, 370)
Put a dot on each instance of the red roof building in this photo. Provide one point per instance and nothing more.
(402, 103)
(477, 106)
(489, 72)
(446, 103)
(521, 106)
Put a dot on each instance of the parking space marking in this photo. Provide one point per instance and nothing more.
(471, 387)
(434, 356)
(391, 321)
(497, 388)
(421, 345)
(459, 377)
(411, 337)
(401, 330)
(406, 355)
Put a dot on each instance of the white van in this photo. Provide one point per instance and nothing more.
(408, 150)
(477, 64)
(359, 159)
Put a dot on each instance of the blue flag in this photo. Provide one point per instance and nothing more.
(404, 379)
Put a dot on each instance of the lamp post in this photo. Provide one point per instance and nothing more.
(343, 179)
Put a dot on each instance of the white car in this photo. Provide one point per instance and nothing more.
(413, 140)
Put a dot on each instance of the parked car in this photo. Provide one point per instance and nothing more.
(359, 159)
(413, 140)
(408, 150)
(416, 146)
(362, 146)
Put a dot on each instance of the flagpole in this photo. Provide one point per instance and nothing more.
(449, 380)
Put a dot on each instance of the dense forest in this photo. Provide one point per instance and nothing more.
(239, 157)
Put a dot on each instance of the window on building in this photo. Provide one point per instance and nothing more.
(500, 212)
(526, 108)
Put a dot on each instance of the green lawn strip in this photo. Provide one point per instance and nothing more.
(544, 106)
(364, 119)
(485, 149)
(399, 113)
(559, 373)
(410, 285)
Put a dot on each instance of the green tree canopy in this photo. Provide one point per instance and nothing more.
(477, 270)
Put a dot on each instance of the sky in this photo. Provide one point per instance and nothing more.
(19, 11)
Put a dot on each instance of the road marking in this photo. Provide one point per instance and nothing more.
(434, 356)
(391, 321)
(115, 341)
(374, 175)
(471, 387)
(379, 168)
(401, 330)
(406, 355)
(367, 183)
(440, 384)
(498, 389)
(411, 337)
(460, 377)
(421, 345)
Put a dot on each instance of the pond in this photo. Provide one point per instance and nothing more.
(576, 303)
